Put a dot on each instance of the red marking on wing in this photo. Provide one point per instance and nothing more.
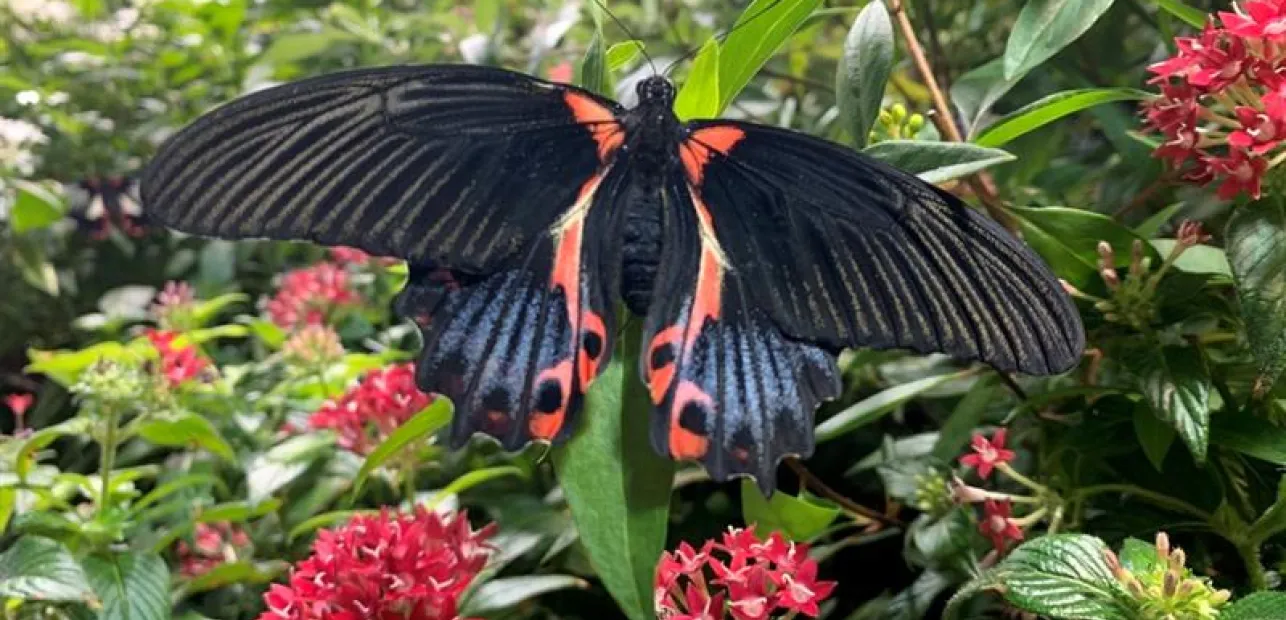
(586, 365)
(659, 379)
(545, 425)
(701, 145)
(599, 120)
(686, 444)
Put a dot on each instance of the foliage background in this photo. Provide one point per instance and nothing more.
(1172, 424)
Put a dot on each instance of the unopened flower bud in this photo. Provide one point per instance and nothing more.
(899, 113)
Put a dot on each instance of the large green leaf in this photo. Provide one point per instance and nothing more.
(618, 489)
(1176, 385)
(499, 595)
(1044, 27)
(1068, 239)
(1154, 434)
(130, 585)
(864, 69)
(186, 429)
(975, 92)
(937, 162)
(1063, 576)
(761, 30)
(1251, 435)
(1257, 606)
(593, 68)
(1257, 252)
(797, 518)
(1049, 109)
(878, 405)
(1192, 16)
(421, 425)
(40, 568)
(34, 207)
(699, 96)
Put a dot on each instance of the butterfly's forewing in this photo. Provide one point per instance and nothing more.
(846, 251)
(793, 248)
(485, 180)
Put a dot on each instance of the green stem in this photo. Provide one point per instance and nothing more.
(108, 447)
(1006, 469)
(1249, 553)
(408, 480)
(1159, 499)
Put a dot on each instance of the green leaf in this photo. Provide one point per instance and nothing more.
(593, 68)
(975, 92)
(284, 462)
(186, 429)
(1154, 435)
(130, 585)
(1193, 16)
(421, 425)
(37, 568)
(236, 572)
(1044, 27)
(326, 519)
(65, 366)
(34, 265)
(34, 207)
(206, 310)
(288, 48)
(699, 95)
(797, 518)
(268, 333)
(175, 485)
(501, 594)
(1068, 239)
(1138, 556)
(1063, 576)
(1257, 606)
(473, 479)
(1257, 250)
(1251, 435)
(1049, 109)
(618, 489)
(623, 53)
(864, 69)
(937, 162)
(761, 30)
(1176, 385)
(959, 426)
(238, 512)
(878, 405)
(1152, 226)
(1204, 259)
(78, 426)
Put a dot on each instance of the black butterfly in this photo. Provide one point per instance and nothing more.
(526, 209)
(98, 204)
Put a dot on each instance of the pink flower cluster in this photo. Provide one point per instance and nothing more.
(346, 256)
(374, 408)
(987, 455)
(741, 577)
(1222, 109)
(311, 296)
(177, 364)
(386, 567)
(212, 545)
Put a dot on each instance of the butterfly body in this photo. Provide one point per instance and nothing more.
(527, 210)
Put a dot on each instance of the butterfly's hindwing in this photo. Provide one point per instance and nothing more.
(729, 389)
(515, 350)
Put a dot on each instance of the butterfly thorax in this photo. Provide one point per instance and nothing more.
(652, 130)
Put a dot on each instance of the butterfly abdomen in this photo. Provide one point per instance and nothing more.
(642, 248)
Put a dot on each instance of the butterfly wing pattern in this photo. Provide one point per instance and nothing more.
(488, 182)
(808, 247)
(526, 210)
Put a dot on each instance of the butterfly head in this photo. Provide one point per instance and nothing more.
(655, 90)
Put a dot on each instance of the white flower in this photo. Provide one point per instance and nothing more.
(50, 11)
(16, 136)
(27, 97)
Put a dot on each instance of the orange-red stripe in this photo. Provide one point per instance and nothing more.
(601, 123)
(701, 145)
(686, 444)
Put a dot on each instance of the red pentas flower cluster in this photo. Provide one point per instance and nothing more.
(997, 523)
(374, 408)
(311, 296)
(1222, 109)
(177, 364)
(739, 577)
(391, 566)
(212, 544)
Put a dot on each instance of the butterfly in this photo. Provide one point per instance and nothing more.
(98, 204)
(527, 210)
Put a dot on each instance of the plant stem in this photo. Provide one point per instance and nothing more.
(808, 479)
(1159, 499)
(1249, 553)
(108, 459)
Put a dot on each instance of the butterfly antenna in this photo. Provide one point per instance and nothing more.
(626, 30)
(721, 37)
